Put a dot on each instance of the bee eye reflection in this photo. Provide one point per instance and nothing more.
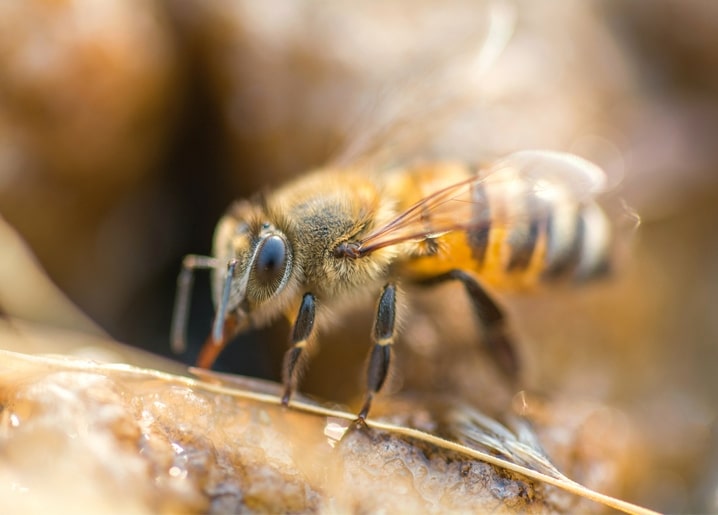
(271, 261)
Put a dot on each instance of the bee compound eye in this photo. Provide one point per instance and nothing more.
(271, 261)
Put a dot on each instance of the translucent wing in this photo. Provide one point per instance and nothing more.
(521, 187)
(543, 168)
(428, 93)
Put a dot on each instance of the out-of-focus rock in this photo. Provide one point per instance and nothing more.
(87, 101)
(27, 293)
(36, 317)
(298, 85)
(672, 121)
(85, 90)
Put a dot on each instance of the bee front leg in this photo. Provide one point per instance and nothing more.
(300, 336)
(384, 334)
(180, 314)
(496, 337)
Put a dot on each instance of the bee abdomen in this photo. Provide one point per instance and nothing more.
(526, 236)
(577, 243)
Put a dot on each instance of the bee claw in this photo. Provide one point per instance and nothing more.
(285, 398)
(361, 417)
(360, 423)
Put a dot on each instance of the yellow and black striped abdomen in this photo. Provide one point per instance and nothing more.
(513, 230)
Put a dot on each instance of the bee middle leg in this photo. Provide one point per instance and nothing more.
(383, 336)
(496, 336)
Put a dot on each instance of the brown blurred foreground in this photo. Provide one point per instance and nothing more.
(83, 437)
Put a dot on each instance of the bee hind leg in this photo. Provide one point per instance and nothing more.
(496, 336)
(383, 336)
(300, 336)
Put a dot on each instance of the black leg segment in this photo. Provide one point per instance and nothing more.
(301, 333)
(380, 357)
(493, 323)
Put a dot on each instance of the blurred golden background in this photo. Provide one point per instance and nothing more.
(126, 128)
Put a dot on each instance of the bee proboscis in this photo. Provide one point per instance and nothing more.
(332, 235)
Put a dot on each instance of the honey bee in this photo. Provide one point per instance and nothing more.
(334, 237)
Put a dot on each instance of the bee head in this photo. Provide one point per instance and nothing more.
(258, 259)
